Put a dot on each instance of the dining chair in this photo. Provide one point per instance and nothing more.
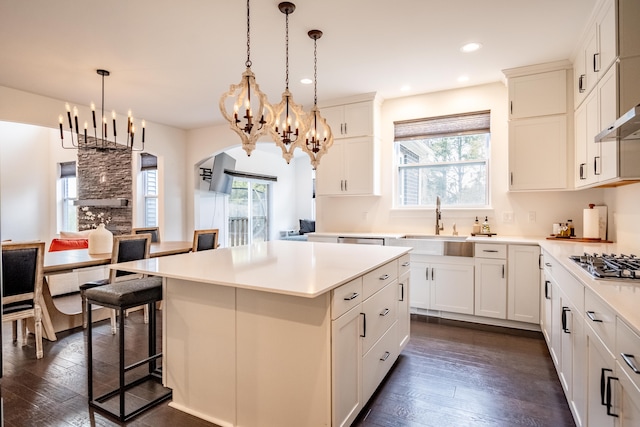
(205, 239)
(22, 265)
(154, 231)
(131, 247)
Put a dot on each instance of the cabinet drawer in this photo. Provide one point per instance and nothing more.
(380, 311)
(628, 351)
(601, 319)
(490, 250)
(377, 362)
(346, 297)
(377, 279)
(404, 264)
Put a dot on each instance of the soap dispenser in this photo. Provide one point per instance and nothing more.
(476, 226)
(485, 226)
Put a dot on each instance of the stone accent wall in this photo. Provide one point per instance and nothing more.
(105, 174)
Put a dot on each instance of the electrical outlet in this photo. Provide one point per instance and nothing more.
(507, 217)
(532, 216)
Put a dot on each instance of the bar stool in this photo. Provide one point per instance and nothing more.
(122, 296)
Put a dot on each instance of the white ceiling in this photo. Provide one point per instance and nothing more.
(171, 60)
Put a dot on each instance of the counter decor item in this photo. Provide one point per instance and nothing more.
(476, 226)
(591, 223)
(100, 240)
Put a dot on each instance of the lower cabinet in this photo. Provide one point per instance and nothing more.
(600, 368)
(523, 288)
(369, 328)
(445, 286)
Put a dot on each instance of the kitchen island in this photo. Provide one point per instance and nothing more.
(256, 335)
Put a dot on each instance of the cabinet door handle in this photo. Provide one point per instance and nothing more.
(592, 316)
(406, 264)
(603, 385)
(384, 312)
(627, 359)
(582, 166)
(510, 107)
(352, 296)
(345, 129)
(609, 405)
(384, 277)
(540, 262)
(596, 169)
(490, 250)
(564, 320)
(433, 272)
(548, 264)
(364, 325)
(345, 185)
(426, 271)
(510, 178)
(596, 62)
(401, 292)
(341, 128)
(503, 271)
(581, 87)
(385, 356)
(546, 289)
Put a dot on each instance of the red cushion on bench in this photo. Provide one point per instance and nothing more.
(66, 244)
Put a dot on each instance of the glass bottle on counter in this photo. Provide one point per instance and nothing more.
(485, 226)
(476, 226)
(572, 230)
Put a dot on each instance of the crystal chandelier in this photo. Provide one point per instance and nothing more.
(318, 138)
(239, 96)
(83, 140)
(290, 119)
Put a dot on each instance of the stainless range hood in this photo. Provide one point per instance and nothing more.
(626, 127)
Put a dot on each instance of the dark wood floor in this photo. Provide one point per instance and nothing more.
(447, 376)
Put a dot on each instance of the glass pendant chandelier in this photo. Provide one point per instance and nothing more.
(318, 138)
(250, 115)
(83, 140)
(290, 119)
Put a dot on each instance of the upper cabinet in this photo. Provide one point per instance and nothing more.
(608, 65)
(538, 126)
(596, 53)
(351, 166)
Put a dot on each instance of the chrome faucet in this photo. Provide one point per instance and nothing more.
(439, 225)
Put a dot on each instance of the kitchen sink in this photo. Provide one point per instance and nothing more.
(426, 244)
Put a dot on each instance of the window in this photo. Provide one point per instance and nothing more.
(249, 206)
(69, 193)
(149, 167)
(444, 156)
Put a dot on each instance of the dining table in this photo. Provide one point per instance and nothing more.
(68, 261)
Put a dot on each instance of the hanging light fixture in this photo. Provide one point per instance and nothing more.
(318, 137)
(290, 119)
(250, 129)
(82, 140)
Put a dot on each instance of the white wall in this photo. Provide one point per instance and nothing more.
(624, 215)
(377, 213)
(22, 107)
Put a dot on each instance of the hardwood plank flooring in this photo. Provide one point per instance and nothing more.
(447, 376)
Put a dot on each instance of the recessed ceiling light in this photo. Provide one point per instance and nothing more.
(306, 81)
(405, 88)
(470, 47)
(463, 79)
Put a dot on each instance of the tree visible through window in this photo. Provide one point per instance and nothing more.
(69, 193)
(443, 156)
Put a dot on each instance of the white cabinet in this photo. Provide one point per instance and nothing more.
(350, 120)
(597, 51)
(538, 94)
(600, 367)
(349, 168)
(491, 280)
(369, 328)
(538, 127)
(538, 153)
(442, 283)
(347, 372)
(545, 310)
(523, 302)
(452, 287)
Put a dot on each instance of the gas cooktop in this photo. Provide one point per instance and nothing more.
(610, 266)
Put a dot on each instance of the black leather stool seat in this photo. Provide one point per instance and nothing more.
(127, 294)
(121, 296)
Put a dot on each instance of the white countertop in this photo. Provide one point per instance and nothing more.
(623, 296)
(366, 235)
(305, 269)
